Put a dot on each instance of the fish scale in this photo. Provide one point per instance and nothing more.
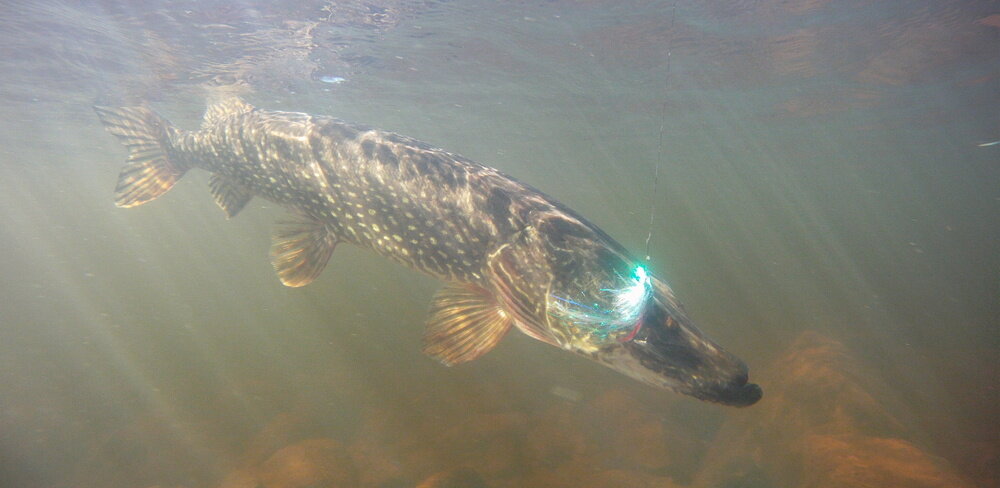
(350, 177)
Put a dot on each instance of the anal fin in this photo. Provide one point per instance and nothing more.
(465, 323)
(300, 251)
(230, 195)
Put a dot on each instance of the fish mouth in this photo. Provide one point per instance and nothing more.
(749, 394)
(718, 377)
(732, 394)
(669, 352)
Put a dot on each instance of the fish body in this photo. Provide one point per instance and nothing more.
(511, 256)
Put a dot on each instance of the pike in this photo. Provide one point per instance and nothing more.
(511, 256)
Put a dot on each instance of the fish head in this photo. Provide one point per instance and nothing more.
(567, 283)
(667, 350)
(610, 308)
(633, 324)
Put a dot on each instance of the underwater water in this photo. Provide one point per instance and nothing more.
(827, 207)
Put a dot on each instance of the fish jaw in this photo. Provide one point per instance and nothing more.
(667, 351)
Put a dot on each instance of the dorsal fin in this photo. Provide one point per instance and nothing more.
(222, 109)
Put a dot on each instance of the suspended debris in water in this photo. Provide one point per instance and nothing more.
(336, 80)
(568, 394)
(988, 144)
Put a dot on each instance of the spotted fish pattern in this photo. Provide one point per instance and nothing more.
(510, 255)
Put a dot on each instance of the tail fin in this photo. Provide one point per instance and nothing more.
(148, 172)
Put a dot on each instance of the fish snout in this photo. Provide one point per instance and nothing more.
(672, 353)
(747, 395)
(736, 392)
(724, 378)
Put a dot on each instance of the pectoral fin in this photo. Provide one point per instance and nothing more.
(300, 251)
(230, 195)
(465, 323)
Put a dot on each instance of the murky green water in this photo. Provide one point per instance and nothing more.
(823, 209)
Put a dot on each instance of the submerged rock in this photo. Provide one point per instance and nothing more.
(309, 464)
(240, 478)
(456, 478)
(555, 437)
(585, 474)
(820, 427)
(492, 444)
(832, 461)
(393, 444)
(630, 430)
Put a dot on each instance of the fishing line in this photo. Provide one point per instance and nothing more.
(663, 120)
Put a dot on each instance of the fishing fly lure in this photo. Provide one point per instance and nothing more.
(615, 313)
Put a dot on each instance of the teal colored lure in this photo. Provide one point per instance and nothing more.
(621, 315)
